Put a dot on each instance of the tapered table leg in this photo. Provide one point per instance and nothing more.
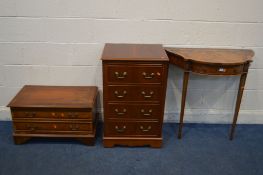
(184, 92)
(238, 102)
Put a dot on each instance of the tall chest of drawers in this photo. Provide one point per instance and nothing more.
(134, 89)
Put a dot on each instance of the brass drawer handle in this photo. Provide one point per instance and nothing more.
(74, 127)
(120, 76)
(221, 69)
(147, 96)
(145, 113)
(148, 76)
(145, 130)
(31, 127)
(73, 115)
(120, 96)
(120, 129)
(30, 114)
(120, 113)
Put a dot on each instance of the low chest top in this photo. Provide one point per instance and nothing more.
(134, 88)
(54, 111)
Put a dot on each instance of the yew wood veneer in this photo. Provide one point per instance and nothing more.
(134, 88)
(55, 111)
(219, 62)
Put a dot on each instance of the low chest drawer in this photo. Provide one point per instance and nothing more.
(53, 126)
(52, 114)
(133, 73)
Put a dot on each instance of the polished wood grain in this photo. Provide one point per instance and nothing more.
(134, 52)
(55, 111)
(55, 97)
(134, 89)
(220, 62)
(207, 61)
(213, 55)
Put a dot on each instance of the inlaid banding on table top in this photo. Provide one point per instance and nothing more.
(215, 56)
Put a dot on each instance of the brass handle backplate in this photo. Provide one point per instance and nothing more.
(74, 127)
(120, 113)
(149, 113)
(30, 114)
(73, 115)
(148, 75)
(145, 129)
(118, 95)
(120, 75)
(221, 69)
(147, 96)
(31, 127)
(120, 129)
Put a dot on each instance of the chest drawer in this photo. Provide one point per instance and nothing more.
(133, 111)
(137, 129)
(121, 73)
(133, 93)
(51, 114)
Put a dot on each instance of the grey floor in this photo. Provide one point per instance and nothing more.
(204, 149)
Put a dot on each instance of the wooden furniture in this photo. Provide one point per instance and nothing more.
(134, 88)
(54, 111)
(222, 62)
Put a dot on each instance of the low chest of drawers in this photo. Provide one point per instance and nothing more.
(54, 111)
(134, 89)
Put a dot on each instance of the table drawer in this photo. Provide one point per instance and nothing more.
(133, 73)
(24, 113)
(36, 127)
(133, 111)
(133, 93)
(217, 70)
(137, 129)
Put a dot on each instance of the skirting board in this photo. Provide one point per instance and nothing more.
(212, 116)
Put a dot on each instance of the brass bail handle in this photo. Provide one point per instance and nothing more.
(148, 75)
(147, 96)
(120, 75)
(118, 95)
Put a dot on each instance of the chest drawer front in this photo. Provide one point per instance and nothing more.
(51, 114)
(119, 128)
(116, 74)
(148, 128)
(36, 127)
(133, 111)
(137, 129)
(133, 93)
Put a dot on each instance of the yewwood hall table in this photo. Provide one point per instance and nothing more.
(220, 62)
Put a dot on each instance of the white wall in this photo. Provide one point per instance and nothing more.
(59, 42)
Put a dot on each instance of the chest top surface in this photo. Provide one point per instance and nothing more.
(55, 97)
(213, 56)
(134, 52)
